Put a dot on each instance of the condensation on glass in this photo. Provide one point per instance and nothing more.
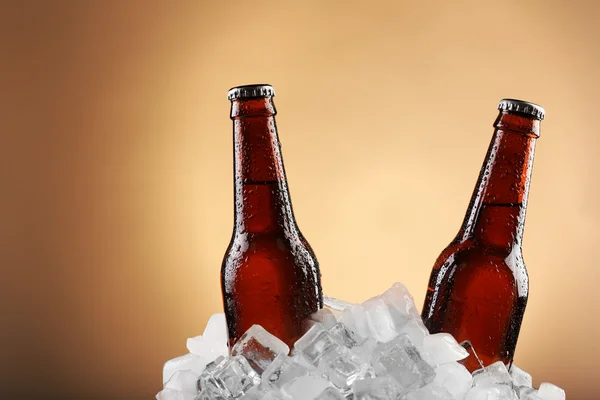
(270, 275)
(479, 286)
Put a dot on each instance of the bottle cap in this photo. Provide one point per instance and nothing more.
(522, 107)
(250, 91)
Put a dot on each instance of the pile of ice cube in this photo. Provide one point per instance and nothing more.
(377, 350)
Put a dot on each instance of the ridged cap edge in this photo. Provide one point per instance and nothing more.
(522, 107)
(250, 91)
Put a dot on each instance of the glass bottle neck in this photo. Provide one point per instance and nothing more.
(496, 213)
(262, 200)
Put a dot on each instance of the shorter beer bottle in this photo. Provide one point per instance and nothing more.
(479, 286)
(270, 275)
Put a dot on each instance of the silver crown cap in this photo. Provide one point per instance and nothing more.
(250, 91)
(523, 107)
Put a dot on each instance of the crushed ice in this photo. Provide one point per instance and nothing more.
(377, 350)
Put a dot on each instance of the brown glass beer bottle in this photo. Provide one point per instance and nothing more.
(270, 275)
(478, 288)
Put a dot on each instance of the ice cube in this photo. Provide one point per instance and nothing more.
(216, 329)
(314, 344)
(259, 347)
(236, 376)
(382, 388)
(415, 329)
(283, 370)
(527, 393)
(230, 377)
(189, 361)
(355, 318)
(325, 317)
(273, 395)
(206, 383)
(441, 348)
(491, 392)
(184, 382)
(400, 298)
(254, 393)
(520, 377)
(493, 374)
(380, 321)
(548, 391)
(170, 394)
(430, 392)
(330, 394)
(400, 359)
(206, 348)
(209, 395)
(344, 336)
(342, 368)
(306, 387)
(365, 350)
(455, 378)
(336, 304)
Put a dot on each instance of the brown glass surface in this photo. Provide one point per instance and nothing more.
(478, 288)
(270, 275)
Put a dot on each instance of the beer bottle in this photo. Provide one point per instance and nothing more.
(270, 275)
(479, 286)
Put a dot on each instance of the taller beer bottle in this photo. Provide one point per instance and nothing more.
(270, 275)
(479, 286)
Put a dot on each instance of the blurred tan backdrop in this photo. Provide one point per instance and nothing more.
(116, 167)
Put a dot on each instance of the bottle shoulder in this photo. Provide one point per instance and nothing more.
(273, 248)
(469, 254)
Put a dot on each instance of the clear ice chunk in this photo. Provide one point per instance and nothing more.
(209, 395)
(205, 348)
(254, 393)
(325, 317)
(336, 304)
(344, 336)
(259, 347)
(213, 342)
(520, 377)
(441, 348)
(355, 318)
(230, 377)
(306, 387)
(262, 392)
(455, 378)
(189, 361)
(365, 350)
(315, 344)
(170, 394)
(236, 376)
(330, 394)
(342, 368)
(415, 329)
(430, 392)
(184, 382)
(382, 388)
(491, 392)
(400, 298)
(206, 383)
(527, 393)
(273, 395)
(548, 391)
(493, 374)
(283, 370)
(400, 359)
(379, 319)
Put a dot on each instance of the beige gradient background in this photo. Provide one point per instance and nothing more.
(116, 167)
